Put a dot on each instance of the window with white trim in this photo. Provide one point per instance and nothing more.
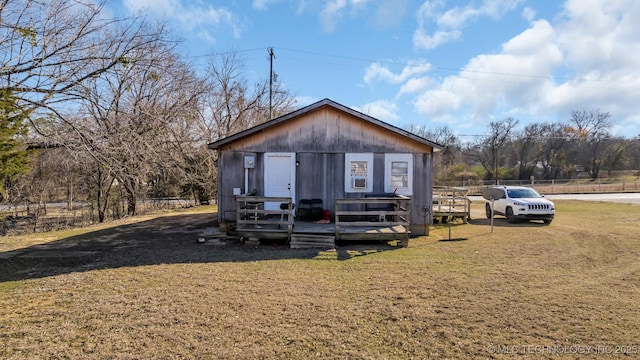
(398, 174)
(358, 172)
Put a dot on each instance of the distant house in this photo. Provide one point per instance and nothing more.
(326, 151)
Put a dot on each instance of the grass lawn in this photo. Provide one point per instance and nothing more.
(148, 290)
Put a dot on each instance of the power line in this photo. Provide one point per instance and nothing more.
(229, 52)
(316, 54)
(462, 71)
(442, 68)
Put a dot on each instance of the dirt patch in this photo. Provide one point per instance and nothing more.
(173, 239)
(56, 254)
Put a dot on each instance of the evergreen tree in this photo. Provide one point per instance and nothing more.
(14, 157)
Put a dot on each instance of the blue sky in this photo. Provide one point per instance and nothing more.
(429, 62)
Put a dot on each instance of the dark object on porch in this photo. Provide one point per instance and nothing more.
(285, 206)
(310, 209)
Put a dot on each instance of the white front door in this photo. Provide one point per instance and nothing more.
(279, 177)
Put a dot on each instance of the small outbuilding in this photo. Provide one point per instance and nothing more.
(316, 159)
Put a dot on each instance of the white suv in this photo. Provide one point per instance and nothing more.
(521, 203)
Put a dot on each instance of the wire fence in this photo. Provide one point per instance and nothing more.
(558, 186)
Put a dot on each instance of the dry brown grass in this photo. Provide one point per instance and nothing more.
(573, 283)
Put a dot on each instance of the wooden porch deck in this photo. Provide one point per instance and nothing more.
(255, 223)
(450, 203)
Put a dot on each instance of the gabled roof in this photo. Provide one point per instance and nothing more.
(313, 107)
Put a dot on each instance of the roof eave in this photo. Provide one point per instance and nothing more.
(312, 107)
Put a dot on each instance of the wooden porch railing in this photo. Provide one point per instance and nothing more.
(254, 222)
(450, 203)
(390, 220)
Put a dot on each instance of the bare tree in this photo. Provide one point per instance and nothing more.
(55, 56)
(450, 156)
(230, 106)
(590, 129)
(553, 147)
(528, 149)
(136, 120)
(489, 149)
(633, 153)
(49, 48)
(615, 153)
(233, 105)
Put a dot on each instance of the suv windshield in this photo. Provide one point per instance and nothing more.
(522, 193)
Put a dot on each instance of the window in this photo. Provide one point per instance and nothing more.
(398, 173)
(358, 172)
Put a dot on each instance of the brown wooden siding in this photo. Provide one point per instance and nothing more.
(327, 130)
(320, 139)
(321, 175)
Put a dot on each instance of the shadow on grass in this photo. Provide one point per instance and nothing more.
(502, 222)
(454, 239)
(162, 240)
(497, 223)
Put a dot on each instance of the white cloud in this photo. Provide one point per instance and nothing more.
(331, 13)
(588, 59)
(415, 85)
(450, 22)
(438, 104)
(191, 16)
(378, 72)
(516, 76)
(601, 37)
(602, 46)
(391, 13)
(528, 14)
(382, 109)
(262, 4)
(497, 9)
(159, 7)
(422, 40)
(457, 17)
(385, 13)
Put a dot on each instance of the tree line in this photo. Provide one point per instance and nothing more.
(112, 113)
(580, 146)
(105, 110)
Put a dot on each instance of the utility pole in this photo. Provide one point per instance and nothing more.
(271, 57)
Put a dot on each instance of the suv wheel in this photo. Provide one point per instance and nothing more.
(487, 209)
(510, 217)
(547, 221)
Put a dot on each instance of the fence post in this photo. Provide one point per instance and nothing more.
(552, 183)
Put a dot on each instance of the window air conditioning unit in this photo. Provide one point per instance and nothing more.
(359, 182)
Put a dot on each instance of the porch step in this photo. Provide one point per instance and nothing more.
(302, 241)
